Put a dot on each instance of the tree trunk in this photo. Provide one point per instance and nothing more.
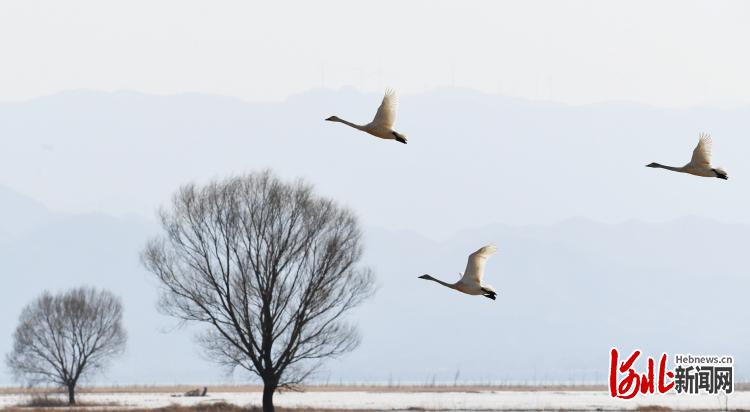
(71, 394)
(268, 389)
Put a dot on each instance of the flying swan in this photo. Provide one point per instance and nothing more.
(382, 125)
(471, 281)
(700, 164)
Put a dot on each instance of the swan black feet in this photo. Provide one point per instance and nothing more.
(399, 138)
(489, 293)
(720, 174)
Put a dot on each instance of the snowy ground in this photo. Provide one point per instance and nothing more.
(454, 401)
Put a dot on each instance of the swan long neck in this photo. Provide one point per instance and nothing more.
(446, 284)
(350, 124)
(672, 168)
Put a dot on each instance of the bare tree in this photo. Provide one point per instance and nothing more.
(63, 338)
(270, 266)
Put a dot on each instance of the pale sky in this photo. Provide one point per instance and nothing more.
(664, 53)
(88, 156)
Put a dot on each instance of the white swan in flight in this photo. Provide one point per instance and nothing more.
(471, 281)
(382, 125)
(700, 164)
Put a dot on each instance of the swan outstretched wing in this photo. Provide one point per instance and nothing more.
(702, 152)
(475, 266)
(386, 115)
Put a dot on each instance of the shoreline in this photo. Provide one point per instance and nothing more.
(369, 388)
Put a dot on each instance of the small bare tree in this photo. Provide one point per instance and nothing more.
(272, 269)
(63, 338)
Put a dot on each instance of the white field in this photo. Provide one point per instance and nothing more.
(453, 401)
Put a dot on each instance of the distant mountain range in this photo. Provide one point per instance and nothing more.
(473, 159)
(567, 293)
(58, 251)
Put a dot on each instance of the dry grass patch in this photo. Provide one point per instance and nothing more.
(47, 401)
(206, 407)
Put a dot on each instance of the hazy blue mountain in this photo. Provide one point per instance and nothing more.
(567, 293)
(100, 251)
(21, 214)
(472, 158)
(477, 168)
